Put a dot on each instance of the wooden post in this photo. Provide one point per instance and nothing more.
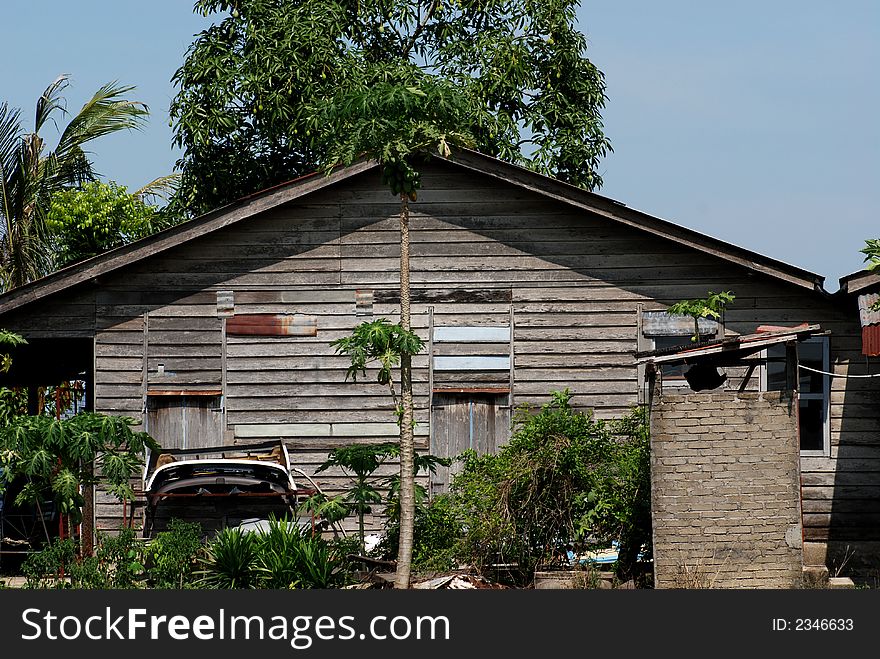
(87, 528)
(223, 380)
(791, 368)
(145, 366)
(512, 360)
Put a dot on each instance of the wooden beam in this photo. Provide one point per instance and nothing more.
(472, 390)
(472, 334)
(184, 392)
(472, 363)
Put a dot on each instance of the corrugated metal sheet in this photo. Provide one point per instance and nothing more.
(866, 315)
(871, 340)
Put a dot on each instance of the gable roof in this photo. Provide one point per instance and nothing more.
(859, 281)
(470, 160)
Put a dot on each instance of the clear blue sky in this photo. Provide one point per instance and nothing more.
(755, 122)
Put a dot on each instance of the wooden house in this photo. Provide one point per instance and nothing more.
(218, 331)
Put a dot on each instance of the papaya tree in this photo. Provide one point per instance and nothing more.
(397, 115)
(710, 306)
(54, 458)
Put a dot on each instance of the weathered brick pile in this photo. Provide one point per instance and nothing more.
(725, 490)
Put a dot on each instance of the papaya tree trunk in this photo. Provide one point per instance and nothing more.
(407, 452)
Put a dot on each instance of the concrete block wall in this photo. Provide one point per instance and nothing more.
(725, 490)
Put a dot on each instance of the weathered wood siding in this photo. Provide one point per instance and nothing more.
(482, 251)
(479, 247)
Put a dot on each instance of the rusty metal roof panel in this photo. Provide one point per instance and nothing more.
(871, 340)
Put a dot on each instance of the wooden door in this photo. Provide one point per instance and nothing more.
(462, 421)
(185, 421)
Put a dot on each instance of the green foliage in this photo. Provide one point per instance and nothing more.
(250, 111)
(96, 218)
(30, 174)
(12, 340)
(284, 556)
(278, 558)
(231, 560)
(172, 556)
(710, 306)
(118, 563)
(378, 341)
(871, 250)
(436, 536)
(55, 457)
(566, 481)
(359, 462)
(43, 569)
(290, 556)
(422, 463)
(396, 114)
(13, 402)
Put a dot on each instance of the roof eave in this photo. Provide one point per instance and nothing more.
(90, 269)
(617, 211)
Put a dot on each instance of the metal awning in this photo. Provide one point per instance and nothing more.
(731, 349)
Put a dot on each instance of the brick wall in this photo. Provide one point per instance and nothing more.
(725, 491)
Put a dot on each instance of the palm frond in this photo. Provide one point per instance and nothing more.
(29, 176)
(50, 100)
(108, 111)
(163, 188)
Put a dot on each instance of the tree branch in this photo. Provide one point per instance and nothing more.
(419, 28)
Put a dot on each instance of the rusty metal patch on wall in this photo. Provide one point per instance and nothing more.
(267, 324)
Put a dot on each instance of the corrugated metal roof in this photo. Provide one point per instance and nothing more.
(733, 347)
(866, 315)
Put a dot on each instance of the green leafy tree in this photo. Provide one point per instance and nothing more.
(31, 174)
(710, 306)
(98, 217)
(390, 345)
(55, 457)
(245, 112)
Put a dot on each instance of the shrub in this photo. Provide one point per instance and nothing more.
(437, 533)
(117, 563)
(283, 556)
(231, 560)
(43, 569)
(172, 555)
(565, 482)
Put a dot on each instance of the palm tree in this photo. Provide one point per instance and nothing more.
(30, 174)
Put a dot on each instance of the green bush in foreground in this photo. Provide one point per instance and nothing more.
(565, 482)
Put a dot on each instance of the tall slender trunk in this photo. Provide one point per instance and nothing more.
(407, 450)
